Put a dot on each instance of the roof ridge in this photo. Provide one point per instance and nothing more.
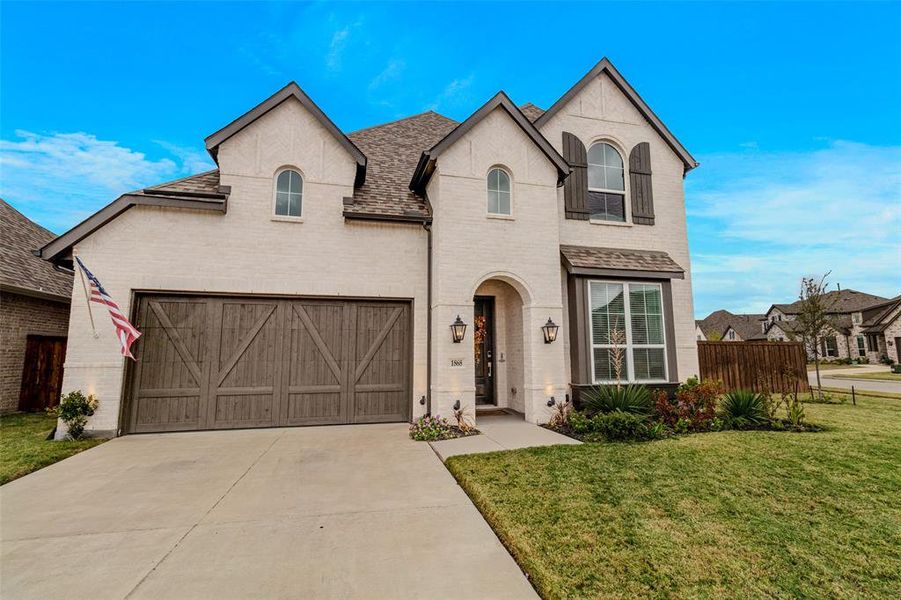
(425, 112)
(24, 216)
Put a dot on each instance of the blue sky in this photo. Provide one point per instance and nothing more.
(791, 108)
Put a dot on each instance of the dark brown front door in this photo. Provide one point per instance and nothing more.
(225, 363)
(42, 373)
(898, 347)
(483, 340)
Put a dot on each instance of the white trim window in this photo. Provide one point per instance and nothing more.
(499, 192)
(289, 194)
(861, 346)
(606, 183)
(830, 347)
(626, 320)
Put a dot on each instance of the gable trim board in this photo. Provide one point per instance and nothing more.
(605, 66)
(428, 160)
(292, 90)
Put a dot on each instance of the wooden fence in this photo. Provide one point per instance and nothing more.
(754, 365)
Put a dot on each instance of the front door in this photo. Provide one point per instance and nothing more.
(483, 340)
(42, 374)
(898, 347)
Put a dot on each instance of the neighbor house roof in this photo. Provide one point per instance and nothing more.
(605, 66)
(393, 150)
(531, 111)
(427, 160)
(881, 316)
(20, 270)
(747, 326)
(586, 260)
(839, 301)
(292, 90)
(199, 192)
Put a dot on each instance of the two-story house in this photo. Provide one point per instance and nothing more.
(318, 277)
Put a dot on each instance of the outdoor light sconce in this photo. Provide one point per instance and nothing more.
(551, 401)
(457, 405)
(550, 331)
(458, 330)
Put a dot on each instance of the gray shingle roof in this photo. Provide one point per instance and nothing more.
(202, 183)
(747, 326)
(839, 301)
(531, 111)
(588, 257)
(19, 268)
(393, 150)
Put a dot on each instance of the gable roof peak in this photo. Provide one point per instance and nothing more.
(426, 165)
(606, 66)
(291, 90)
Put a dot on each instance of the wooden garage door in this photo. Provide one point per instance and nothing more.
(221, 363)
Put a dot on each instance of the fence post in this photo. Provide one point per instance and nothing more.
(853, 396)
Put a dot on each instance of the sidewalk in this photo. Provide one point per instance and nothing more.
(502, 432)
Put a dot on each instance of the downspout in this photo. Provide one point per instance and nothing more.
(427, 225)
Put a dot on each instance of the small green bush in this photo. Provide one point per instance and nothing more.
(618, 426)
(632, 398)
(579, 423)
(428, 429)
(74, 410)
(744, 408)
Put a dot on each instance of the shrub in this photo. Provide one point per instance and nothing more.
(74, 410)
(692, 408)
(428, 429)
(618, 426)
(579, 423)
(463, 423)
(562, 411)
(744, 408)
(635, 399)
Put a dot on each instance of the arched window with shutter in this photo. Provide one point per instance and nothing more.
(640, 184)
(606, 183)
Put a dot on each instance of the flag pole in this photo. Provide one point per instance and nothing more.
(87, 295)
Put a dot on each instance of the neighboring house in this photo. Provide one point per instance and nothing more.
(699, 332)
(865, 326)
(314, 276)
(729, 327)
(34, 316)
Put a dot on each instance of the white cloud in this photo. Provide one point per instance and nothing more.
(336, 48)
(60, 178)
(192, 160)
(454, 93)
(759, 221)
(391, 72)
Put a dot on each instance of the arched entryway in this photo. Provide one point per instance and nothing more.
(498, 352)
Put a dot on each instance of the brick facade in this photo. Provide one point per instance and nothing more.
(21, 316)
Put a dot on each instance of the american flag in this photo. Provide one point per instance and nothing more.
(125, 331)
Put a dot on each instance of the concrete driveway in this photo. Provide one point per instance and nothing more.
(319, 512)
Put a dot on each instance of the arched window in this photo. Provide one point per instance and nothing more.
(606, 183)
(498, 192)
(289, 194)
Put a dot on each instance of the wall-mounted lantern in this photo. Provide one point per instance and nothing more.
(458, 330)
(550, 331)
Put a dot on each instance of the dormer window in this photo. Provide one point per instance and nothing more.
(498, 192)
(606, 183)
(289, 194)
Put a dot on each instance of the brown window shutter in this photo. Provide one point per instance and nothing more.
(640, 183)
(575, 187)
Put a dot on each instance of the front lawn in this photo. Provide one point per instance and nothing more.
(830, 366)
(734, 513)
(883, 376)
(24, 447)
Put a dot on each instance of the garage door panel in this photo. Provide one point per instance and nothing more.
(218, 363)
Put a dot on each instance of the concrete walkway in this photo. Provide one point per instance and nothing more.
(502, 432)
(355, 511)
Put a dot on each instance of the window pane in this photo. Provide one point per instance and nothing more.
(596, 154)
(614, 178)
(493, 201)
(294, 201)
(607, 207)
(607, 311)
(649, 363)
(595, 177)
(283, 181)
(503, 206)
(281, 203)
(612, 157)
(492, 179)
(296, 183)
(647, 318)
(605, 365)
(503, 181)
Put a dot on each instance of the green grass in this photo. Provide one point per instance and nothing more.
(24, 447)
(729, 514)
(830, 366)
(886, 376)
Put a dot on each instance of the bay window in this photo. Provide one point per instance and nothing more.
(627, 332)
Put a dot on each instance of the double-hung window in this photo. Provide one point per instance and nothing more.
(830, 347)
(627, 333)
(861, 346)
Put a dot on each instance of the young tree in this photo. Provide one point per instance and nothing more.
(815, 320)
